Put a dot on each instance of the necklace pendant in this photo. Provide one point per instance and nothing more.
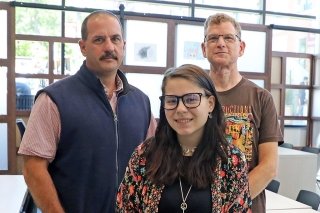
(183, 206)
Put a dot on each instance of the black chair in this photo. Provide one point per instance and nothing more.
(314, 150)
(287, 145)
(21, 126)
(28, 205)
(273, 186)
(309, 198)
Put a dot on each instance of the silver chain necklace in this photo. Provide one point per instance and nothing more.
(184, 205)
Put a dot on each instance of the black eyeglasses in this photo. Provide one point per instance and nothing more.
(190, 100)
(228, 38)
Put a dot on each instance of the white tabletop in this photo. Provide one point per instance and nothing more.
(292, 211)
(276, 201)
(12, 191)
(285, 152)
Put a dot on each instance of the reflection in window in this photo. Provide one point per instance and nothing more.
(3, 90)
(3, 34)
(38, 21)
(298, 71)
(151, 87)
(31, 57)
(73, 58)
(296, 102)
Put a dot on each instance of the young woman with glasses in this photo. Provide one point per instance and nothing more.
(188, 166)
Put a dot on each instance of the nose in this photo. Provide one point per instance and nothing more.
(221, 41)
(108, 45)
(181, 106)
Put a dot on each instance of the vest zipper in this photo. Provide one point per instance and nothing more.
(115, 119)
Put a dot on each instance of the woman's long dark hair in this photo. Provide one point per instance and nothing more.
(164, 155)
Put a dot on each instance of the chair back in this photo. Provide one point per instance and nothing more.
(314, 150)
(287, 145)
(273, 186)
(21, 126)
(309, 198)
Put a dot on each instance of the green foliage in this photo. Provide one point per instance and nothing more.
(38, 22)
(23, 48)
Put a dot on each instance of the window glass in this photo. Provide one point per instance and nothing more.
(252, 4)
(302, 7)
(3, 90)
(132, 6)
(295, 135)
(188, 46)
(292, 41)
(31, 57)
(151, 86)
(258, 82)
(296, 102)
(316, 134)
(316, 103)
(276, 70)
(3, 34)
(276, 95)
(38, 21)
(102, 4)
(252, 18)
(291, 21)
(73, 58)
(255, 45)
(55, 2)
(73, 24)
(32, 85)
(298, 71)
(317, 72)
(146, 47)
(3, 146)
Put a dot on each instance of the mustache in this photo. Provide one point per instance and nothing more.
(108, 55)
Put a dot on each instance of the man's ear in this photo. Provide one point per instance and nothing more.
(203, 50)
(242, 47)
(82, 46)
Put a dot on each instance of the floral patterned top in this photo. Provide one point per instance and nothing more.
(229, 188)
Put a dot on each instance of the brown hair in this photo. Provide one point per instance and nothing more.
(165, 162)
(219, 18)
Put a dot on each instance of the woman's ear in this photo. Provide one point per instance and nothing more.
(212, 102)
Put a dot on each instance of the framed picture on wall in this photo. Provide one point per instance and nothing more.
(146, 43)
(188, 46)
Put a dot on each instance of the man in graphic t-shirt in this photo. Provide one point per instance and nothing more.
(252, 122)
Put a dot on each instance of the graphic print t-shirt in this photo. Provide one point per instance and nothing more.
(251, 118)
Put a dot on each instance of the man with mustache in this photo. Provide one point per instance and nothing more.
(83, 129)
